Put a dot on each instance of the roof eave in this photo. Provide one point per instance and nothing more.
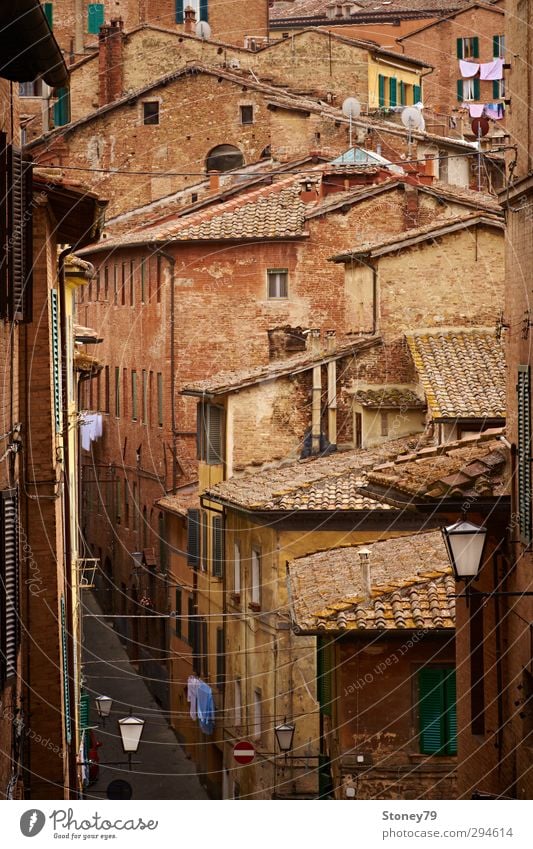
(28, 47)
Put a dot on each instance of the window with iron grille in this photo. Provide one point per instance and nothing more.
(15, 233)
(437, 711)
(278, 283)
(210, 434)
(523, 389)
(9, 584)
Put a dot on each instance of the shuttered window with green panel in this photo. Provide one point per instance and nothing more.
(56, 359)
(324, 675)
(523, 389)
(66, 679)
(437, 711)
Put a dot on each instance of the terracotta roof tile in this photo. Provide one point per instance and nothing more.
(325, 483)
(389, 397)
(473, 467)
(411, 587)
(184, 500)
(462, 372)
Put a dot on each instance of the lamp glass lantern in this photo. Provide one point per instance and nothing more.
(465, 543)
(103, 706)
(131, 729)
(284, 735)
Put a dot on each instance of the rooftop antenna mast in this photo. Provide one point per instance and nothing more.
(351, 108)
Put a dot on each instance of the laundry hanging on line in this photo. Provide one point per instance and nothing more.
(468, 69)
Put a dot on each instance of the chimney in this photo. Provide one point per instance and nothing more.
(111, 69)
(313, 343)
(214, 182)
(330, 341)
(410, 209)
(366, 580)
(309, 190)
(189, 20)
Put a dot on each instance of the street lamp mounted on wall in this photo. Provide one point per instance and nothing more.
(131, 729)
(103, 706)
(284, 735)
(465, 543)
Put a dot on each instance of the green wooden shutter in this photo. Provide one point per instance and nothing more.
(475, 45)
(459, 48)
(221, 666)
(496, 89)
(496, 46)
(95, 17)
(193, 538)
(393, 85)
(381, 89)
(179, 12)
(523, 388)
(178, 613)
(85, 701)
(402, 93)
(62, 107)
(324, 665)
(417, 93)
(431, 711)
(48, 9)
(215, 435)
(460, 90)
(9, 584)
(56, 364)
(66, 681)
(450, 716)
(218, 547)
(204, 12)
(476, 89)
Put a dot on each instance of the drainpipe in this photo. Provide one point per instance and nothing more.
(68, 589)
(172, 263)
(332, 390)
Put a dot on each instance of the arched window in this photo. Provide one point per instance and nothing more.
(224, 158)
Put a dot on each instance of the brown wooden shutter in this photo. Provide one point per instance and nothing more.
(9, 587)
(18, 292)
(215, 435)
(4, 207)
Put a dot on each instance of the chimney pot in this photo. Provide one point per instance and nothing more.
(314, 340)
(214, 181)
(189, 20)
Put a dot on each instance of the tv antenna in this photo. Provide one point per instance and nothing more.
(480, 128)
(412, 120)
(351, 108)
(203, 30)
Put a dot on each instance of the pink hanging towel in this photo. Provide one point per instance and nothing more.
(468, 69)
(491, 70)
(476, 109)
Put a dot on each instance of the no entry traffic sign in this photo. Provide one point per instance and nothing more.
(243, 752)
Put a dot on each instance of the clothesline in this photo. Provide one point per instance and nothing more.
(486, 70)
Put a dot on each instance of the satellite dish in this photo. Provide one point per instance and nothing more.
(480, 126)
(351, 108)
(203, 30)
(412, 118)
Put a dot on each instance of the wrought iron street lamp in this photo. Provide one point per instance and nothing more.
(284, 735)
(103, 706)
(131, 729)
(465, 543)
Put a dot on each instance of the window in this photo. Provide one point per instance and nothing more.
(31, 89)
(95, 17)
(204, 530)
(132, 284)
(210, 434)
(498, 89)
(237, 704)
(107, 392)
(381, 90)
(143, 280)
(9, 586)
(99, 391)
(217, 549)
(126, 504)
(278, 283)
(151, 112)
(159, 399)
(393, 89)
(117, 391)
(178, 612)
(56, 363)
(384, 417)
(247, 114)
(62, 107)
(193, 538)
(134, 395)
(16, 234)
(158, 278)
(468, 90)
(135, 507)
(224, 157)
(325, 664)
(221, 666)
(124, 391)
(257, 720)
(123, 284)
(523, 388)
(106, 283)
(236, 569)
(256, 578)
(144, 396)
(48, 9)
(191, 622)
(437, 711)
(498, 46)
(468, 48)
(403, 94)
(115, 284)
(162, 543)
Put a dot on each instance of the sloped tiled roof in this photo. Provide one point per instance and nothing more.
(389, 398)
(326, 483)
(225, 382)
(284, 9)
(475, 467)
(183, 501)
(412, 587)
(462, 372)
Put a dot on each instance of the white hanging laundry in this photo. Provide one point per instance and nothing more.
(86, 431)
(468, 69)
(476, 109)
(491, 70)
